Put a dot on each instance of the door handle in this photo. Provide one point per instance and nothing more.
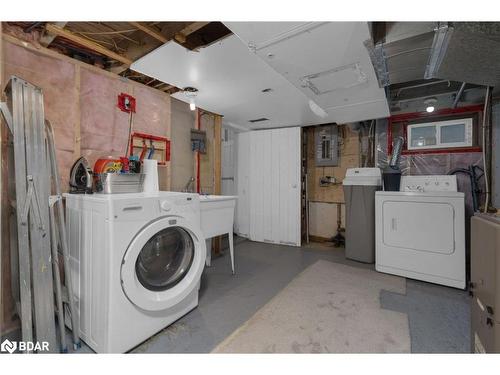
(132, 208)
(394, 224)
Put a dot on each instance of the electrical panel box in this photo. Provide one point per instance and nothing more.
(326, 146)
(198, 141)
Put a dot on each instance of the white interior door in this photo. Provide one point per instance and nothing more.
(288, 140)
(242, 215)
(274, 183)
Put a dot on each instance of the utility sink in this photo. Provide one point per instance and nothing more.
(217, 214)
(217, 217)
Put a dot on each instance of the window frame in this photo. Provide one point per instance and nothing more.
(469, 136)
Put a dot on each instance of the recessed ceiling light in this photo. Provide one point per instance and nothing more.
(430, 104)
(191, 93)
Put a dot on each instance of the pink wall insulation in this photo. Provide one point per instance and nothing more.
(81, 103)
(56, 78)
(74, 93)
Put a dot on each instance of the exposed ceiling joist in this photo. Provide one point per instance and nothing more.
(58, 31)
(46, 39)
(168, 87)
(150, 31)
(181, 36)
(118, 69)
(137, 52)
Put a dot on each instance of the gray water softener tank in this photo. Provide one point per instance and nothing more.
(360, 185)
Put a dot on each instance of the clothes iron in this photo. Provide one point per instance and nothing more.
(80, 178)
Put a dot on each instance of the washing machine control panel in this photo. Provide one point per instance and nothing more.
(424, 184)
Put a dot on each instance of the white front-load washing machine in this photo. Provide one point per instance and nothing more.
(420, 230)
(137, 261)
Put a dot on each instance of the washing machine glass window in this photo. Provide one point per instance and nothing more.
(165, 259)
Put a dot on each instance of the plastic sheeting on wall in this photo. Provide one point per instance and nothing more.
(431, 164)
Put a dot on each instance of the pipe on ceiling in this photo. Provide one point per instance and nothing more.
(422, 85)
(459, 95)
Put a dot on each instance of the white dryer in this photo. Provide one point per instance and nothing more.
(137, 261)
(420, 230)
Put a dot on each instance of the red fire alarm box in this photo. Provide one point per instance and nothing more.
(126, 103)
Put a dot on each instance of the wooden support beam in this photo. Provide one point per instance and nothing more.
(77, 150)
(217, 241)
(151, 32)
(181, 36)
(136, 52)
(56, 30)
(119, 69)
(158, 85)
(172, 90)
(47, 38)
(168, 87)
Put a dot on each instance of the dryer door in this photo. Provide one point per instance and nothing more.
(163, 264)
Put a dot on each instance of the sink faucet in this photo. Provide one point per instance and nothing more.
(189, 186)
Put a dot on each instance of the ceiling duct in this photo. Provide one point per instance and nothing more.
(399, 51)
(467, 52)
(459, 51)
(379, 61)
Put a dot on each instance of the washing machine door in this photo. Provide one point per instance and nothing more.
(163, 264)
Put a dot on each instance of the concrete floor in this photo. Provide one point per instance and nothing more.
(439, 317)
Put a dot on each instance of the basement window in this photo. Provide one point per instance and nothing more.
(448, 131)
(440, 134)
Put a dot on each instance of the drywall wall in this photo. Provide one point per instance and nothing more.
(323, 201)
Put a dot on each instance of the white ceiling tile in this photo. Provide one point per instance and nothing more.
(230, 78)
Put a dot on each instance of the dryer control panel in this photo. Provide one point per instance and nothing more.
(424, 184)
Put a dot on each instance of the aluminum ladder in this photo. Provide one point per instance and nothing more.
(40, 233)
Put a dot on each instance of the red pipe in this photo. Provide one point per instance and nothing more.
(198, 126)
